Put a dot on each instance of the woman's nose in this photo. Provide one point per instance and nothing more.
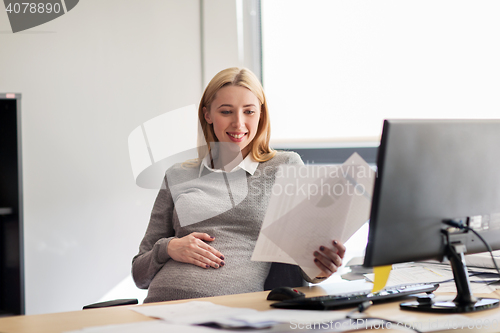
(237, 120)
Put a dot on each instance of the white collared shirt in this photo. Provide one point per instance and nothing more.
(248, 164)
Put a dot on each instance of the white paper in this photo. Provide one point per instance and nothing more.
(425, 272)
(415, 274)
(476, 288)
(150, 326)
(312, 205)
(190, 313)
(444, 321)
(199, 312)
(482, 260)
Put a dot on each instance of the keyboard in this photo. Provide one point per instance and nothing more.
(353, 299)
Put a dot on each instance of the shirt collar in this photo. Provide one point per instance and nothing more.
(248, 164)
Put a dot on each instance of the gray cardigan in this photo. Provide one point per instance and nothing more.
(235, 231)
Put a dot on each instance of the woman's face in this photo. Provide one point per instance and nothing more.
(235, 114)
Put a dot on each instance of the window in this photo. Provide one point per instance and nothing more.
(333, 70)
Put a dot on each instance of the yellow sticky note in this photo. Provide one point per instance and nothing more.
(381, 277)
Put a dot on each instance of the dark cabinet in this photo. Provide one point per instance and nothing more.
(11, 212)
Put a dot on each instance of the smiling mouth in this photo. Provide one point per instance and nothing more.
(236, 136)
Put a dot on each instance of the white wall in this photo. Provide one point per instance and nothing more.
(87, 80)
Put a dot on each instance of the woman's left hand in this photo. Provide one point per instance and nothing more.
(329, 260)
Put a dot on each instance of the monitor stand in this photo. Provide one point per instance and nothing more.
(464, 301)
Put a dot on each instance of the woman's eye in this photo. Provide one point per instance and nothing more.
(225, 112)
(249, 112)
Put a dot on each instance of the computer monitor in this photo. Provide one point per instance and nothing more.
(431, 172)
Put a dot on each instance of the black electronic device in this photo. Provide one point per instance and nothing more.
(331, 302)
(437, 193)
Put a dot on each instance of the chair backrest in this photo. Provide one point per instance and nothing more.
(284, 275)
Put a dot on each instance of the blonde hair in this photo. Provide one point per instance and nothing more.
(242, 77)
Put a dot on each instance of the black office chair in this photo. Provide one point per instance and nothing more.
(284, 275)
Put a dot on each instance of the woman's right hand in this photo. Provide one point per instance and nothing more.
(192, 249)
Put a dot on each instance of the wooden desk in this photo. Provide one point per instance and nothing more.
(67, 321)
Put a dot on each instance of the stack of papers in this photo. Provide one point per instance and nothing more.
(437, 272)
(155, 326)
(310, 206)
(206, 313)
(482, 260)
(415, 273)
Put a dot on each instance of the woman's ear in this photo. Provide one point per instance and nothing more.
(207, 115)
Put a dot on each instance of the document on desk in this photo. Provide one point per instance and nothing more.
(310, 206)
(483, 259)
(416, 273)
(155, 326)
(201, 312)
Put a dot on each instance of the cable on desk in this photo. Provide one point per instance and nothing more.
(461, 226)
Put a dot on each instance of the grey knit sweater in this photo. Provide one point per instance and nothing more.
(235, 231)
